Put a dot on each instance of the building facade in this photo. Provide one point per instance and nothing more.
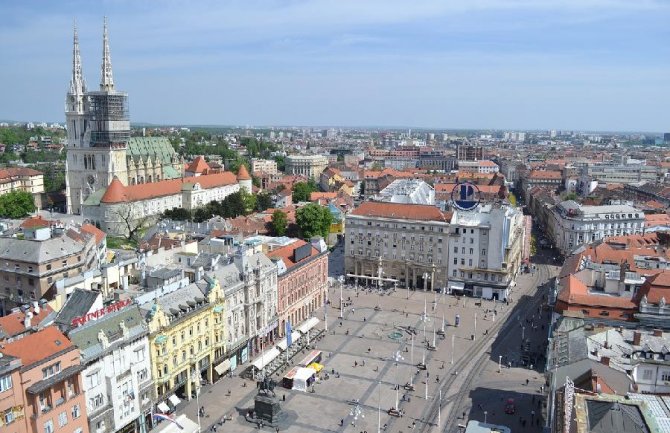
(30, 266)
(485, 250)
(118, 208)
(186, 337)
(23, 179)
(306, 165)
(267, 166)
(571, 225)
(303, 280)
(117, 376)
(50, 380)
(404, 244)
(481, 166)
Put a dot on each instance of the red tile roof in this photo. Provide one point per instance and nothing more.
(91, 229)
(199, 165)
(575, 292)
(117, 193)
(286, 253)
(13, 324)
(545, 175)
(36, 221)
(319, 195)
(403, 211)
(38, 346)
(655, 288)
(243, 173)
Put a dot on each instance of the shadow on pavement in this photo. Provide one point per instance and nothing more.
(526, 409)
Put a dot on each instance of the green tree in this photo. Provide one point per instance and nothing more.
(177, 214)
(16, 204)
(314, 220)
(279, 223)
(302, 190)
(249, 202)
(263, 201)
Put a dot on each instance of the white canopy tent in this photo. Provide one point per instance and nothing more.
(302, 377)
(187, 426)
(307, 325)
(294, 337)
(222, 367)
(266, 357)
(456, 286)
(174, 400)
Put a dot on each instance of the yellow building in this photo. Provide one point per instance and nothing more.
(186, 329)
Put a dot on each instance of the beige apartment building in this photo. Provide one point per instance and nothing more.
(22, 179)
(266, 166)
(406, 243)
(306, 165)
(30, 265)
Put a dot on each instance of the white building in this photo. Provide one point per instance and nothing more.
(267, 166)
(410, 239)
(117, 370)
(485, 250)
(306, 165)
(409, 191)
(571, 224)
(483, 166)
(118, 208)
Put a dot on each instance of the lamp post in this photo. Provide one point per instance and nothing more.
(485, 413)
(439, 410)
(411, 355)
(341, 278)
(523, 333)
(197, 399)
(474, 335)
(397, 357)
(379, 408)
(453, 337)
(499, 363)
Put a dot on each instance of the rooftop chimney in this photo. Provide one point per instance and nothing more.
(658, 333)
(605, 360)
(36, 307)
(26, 321)
(637, 338)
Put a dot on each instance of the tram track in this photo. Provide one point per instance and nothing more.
(431, 412)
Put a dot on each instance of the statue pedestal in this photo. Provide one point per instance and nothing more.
(267, 409)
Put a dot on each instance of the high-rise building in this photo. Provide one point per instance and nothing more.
(466, 152)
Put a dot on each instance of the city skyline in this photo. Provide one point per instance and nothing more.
(467, 65)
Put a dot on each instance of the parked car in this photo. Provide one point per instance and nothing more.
(510, 407)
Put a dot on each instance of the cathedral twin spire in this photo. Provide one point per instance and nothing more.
(77, 83)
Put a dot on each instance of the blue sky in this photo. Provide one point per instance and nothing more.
(505, 64)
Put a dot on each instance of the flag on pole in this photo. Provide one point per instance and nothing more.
(165, 417)
(289, 331)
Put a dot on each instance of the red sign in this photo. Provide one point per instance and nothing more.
(78, 321)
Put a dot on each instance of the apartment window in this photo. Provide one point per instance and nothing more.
(647, 374)
(483, 251)
(454, 273)
(455, 250)
(93, 379)
(472, 240)
(5, 383)
(139, 355)
(462, 250)
(96, 401)
(49, 427)
(142, 375)
(62, 419)
(665, 376)
(455, 261)
(472, 251)
(9, 417)
(64, 263)
(49, 267)
(51, 370)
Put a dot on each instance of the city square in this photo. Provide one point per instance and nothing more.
(369, 363)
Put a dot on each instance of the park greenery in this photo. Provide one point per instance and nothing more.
(303, 190)
(314, 220)
(16, 204)
(234, 205)
(279, 223)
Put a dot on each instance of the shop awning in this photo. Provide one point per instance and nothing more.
(316, 366)
(307, 325)
(223, 367)
(163, 407)
(456, 286)
(266, 357)
(294, 337)
(174, 400)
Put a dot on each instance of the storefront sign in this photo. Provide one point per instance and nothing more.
(78, 321)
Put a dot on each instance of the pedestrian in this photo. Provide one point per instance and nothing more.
(480, 406)
(276, 429)
(364, 319)
(356, 365)
(283, 397)
(463, 415)
(437, 378)
(340, 323)
(527, 380)
(341, 422)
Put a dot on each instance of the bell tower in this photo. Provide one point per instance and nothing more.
(97, 151)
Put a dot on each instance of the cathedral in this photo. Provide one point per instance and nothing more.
(99, 145)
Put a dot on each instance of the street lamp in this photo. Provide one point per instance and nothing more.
(341, 280)
(397, 357)
(379, 408)
(197, 399)
(499, 363)
(485, 413)
(523, 333)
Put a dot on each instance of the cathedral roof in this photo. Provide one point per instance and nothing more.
(115, 192)
(198, 165)
(242, 173)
